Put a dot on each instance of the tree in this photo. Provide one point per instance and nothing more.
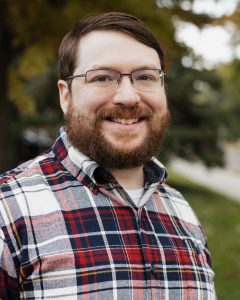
(7, 138)
(29, 35)
(230, 90)
(229, 74)
(194, 97)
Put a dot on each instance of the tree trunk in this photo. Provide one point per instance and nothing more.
(8, 115)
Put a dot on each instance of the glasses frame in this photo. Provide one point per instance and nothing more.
(161, 74)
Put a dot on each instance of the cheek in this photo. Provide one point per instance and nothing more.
(89, 101)
(158, 103)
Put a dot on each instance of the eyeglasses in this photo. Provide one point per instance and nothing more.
(141, 79)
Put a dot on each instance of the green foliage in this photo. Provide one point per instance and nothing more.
(231, 91)
(195, 105)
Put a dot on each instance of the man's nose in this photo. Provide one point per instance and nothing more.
(125, 93)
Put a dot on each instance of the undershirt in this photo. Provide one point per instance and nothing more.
(135, 195)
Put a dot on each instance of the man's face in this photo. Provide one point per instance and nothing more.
(118, 127)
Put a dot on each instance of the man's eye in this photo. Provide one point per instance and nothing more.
(146, 77)
(101, 78)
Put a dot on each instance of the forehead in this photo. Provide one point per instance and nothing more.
(114, 49)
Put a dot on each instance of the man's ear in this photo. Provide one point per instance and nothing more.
(64, 95)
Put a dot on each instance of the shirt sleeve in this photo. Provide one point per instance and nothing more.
(8, 275)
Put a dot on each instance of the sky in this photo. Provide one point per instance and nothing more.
(213, 42)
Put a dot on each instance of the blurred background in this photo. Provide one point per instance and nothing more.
(201, 41)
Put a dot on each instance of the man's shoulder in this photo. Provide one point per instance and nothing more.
(34, 169)
(178, 205)
(43, 165)
(172, 192)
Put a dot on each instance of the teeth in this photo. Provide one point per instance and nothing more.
(126, 121)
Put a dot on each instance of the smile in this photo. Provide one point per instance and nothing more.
(125, 121)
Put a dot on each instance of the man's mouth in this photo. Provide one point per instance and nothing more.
(125, 121)
(125, 116)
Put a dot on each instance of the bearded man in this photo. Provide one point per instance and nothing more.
(93, 217)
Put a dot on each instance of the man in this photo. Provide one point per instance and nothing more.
(93, 218)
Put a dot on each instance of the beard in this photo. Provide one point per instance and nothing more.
(86, 135)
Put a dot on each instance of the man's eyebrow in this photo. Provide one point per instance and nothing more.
(148, 67)
(112, 67)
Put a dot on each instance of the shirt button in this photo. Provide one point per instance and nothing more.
(153, 269)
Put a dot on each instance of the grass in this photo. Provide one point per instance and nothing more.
(220, 217)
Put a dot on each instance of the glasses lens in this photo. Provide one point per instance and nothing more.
(147, 79)
(102, 78)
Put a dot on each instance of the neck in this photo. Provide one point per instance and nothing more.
(129, 178)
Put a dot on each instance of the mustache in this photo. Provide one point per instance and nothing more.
(125, 112)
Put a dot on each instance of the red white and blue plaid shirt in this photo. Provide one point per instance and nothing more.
(70, 231)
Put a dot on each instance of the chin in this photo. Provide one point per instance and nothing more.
(129, 141)
(125, 146)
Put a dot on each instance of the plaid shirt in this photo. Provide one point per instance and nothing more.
(70, 231)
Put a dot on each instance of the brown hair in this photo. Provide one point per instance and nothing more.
(117, 21)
